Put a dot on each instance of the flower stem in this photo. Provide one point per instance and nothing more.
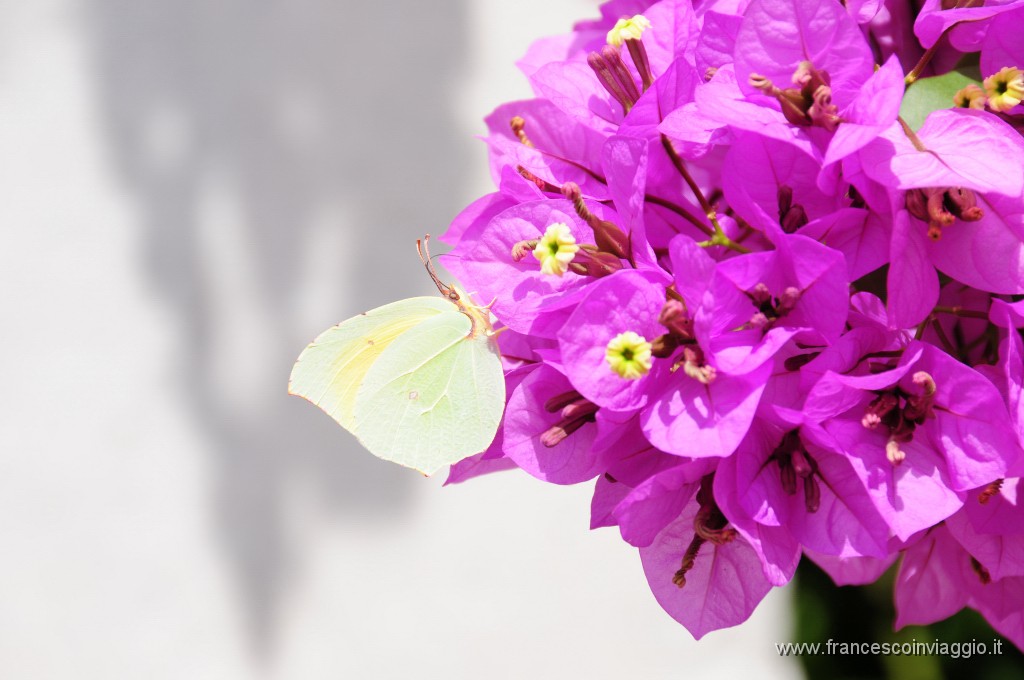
(677, 161)
(911, 135)
(926, 58)
(656, 200)
(679, 210)
(944, 339)
(961, 312)
(915, 73)
(718, 236)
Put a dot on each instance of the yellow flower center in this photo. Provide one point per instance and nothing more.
(1005, 88)
(970, 97)
(629, 355)
(556, 249)
(626, 29)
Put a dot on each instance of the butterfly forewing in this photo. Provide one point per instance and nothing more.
(330, 370)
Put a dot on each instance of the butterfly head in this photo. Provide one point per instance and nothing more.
(480, 316)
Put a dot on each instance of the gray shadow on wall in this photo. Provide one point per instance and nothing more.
(222, 81)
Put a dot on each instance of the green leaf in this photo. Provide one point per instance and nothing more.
(931, 94)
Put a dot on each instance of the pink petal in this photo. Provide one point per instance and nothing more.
(699, 421)
(851, 571)
(723, 587)
(932, 582)
(777, 35)
(987, 254)
(960, 145)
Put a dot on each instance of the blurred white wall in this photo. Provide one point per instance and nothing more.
(190, 190)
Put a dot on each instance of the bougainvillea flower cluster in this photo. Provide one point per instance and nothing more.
(757, 268)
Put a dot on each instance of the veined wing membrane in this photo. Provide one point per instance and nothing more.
(330, 370)
(433, 397)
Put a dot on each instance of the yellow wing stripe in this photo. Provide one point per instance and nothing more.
(330, 370)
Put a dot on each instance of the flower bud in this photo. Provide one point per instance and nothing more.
(614, 76)
(893, 452)
(581, 413)
(664, 346)
(878, 409)
(673, 316)
(791, 216)
(518, 126)
(812, 494)
(638, 53)
(801, 465)
(787, 301)
(591, 262)
(823, 112)
(607, 236)
(560, 401)
(694, 366)
(964, 204)
(919, 406)
(787, 476)
(541, 184)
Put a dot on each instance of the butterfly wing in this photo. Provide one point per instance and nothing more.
(330, 370)
(433, 397)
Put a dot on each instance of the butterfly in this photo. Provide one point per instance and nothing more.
(418, 381)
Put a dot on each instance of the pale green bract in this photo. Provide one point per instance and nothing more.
(418, 382)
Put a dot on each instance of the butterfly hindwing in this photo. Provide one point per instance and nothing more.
(433, 397)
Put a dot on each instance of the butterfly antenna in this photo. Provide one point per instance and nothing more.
(423, 249)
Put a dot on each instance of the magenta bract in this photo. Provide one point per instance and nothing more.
(732, 284)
